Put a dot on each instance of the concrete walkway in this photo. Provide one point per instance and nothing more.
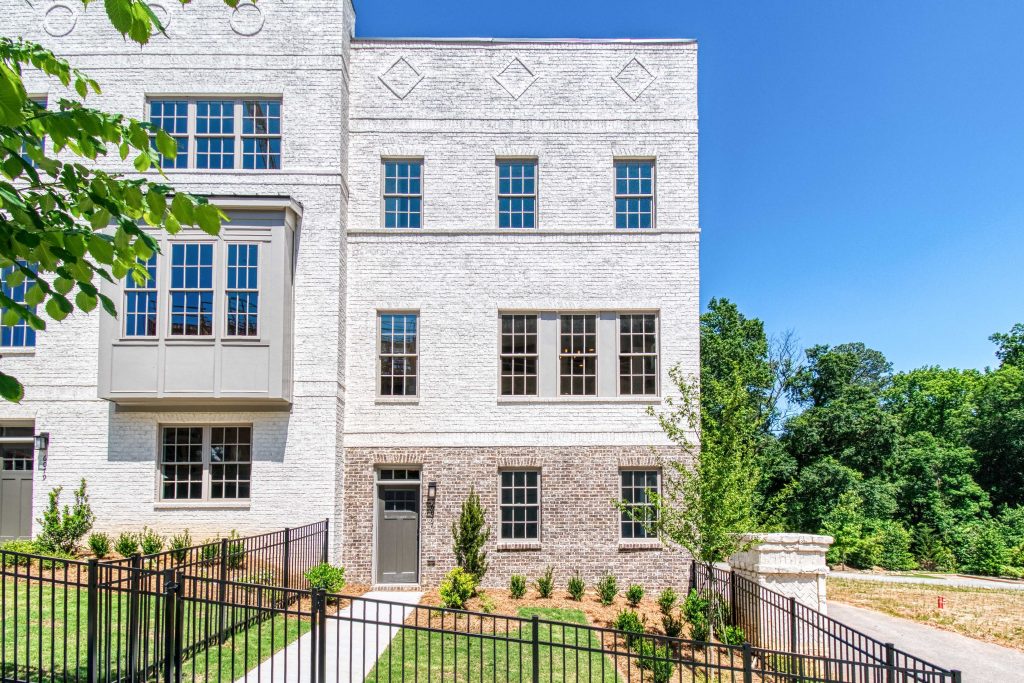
(352, 647)
(934, 580)
(980, 662)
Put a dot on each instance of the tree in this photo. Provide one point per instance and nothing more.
(1010, 345)
(998, 434)
(65, 223)
(469, 535)
(939, 401)
(832, 370)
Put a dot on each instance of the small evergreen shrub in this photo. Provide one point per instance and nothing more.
(629, 623)
(99, 544)
(127, 544)
(457, 587)
(486, 604)
(546, 583)
(210, 552)
(150, 542)
(731, 635)
(657, 660)
(695, 612)
(20, 547)
(517, 586)
(469, 536)
(607, 589)
(634, 594)
(63, 529)
(667, 600)
(576, 587)
(324, 577)
(55, 559)
(180, 543)
(672, 625)
(236, 551)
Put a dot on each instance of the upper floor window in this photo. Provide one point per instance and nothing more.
(403, 194)
(192, 289)
(638, 354)
(221, 133)
(634, 194)
(242, 290)
(517, 194)
(15, 284)
(211, 463)
(140, 303)
(578, 355)
(398, 354)
(638, 510)
(519, 355)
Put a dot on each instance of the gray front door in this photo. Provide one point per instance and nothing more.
(16, 465)
(398, 530)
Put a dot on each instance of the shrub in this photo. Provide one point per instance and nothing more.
(486, 604)
(236, 551)
(99, 544)
(865, 553)
(22, 548)
(180, 543)
(324, 577)
(55, 559)
(546, 583)
(264, 577)
(672, 625)
(695, 612)
(629, 623)
(894, 547)
(731, 635)
(209, 553)
(457, 587)
(667, 600)
(986, 552)
(469, 535)
(127, 544)
(151, 542)
(607, 589)
(634, 594)
(577, 587)
(517, 586)
(62, 530)
(657, 660)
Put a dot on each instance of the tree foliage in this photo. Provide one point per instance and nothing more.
(66, 222)
(470, 534)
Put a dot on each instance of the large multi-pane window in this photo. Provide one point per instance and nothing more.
(517, 194)
(634, 194)
(192, 289)
(577, 358)
(398, 353)
(221, 133)
(638, 510)
(15, 284)
(403, 194)
(213, 463)
(520, 504)
(519, 354)
(638, 354)
(140, 303)
(242, 290)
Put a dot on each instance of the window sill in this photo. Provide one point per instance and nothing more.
(517, 546)
(405, 400)
(16, 352)
(642, 400)
(626, 546)
(201, 505)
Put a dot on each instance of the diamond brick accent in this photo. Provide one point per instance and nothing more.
(400, 78)
(634, 78)
(516, 78)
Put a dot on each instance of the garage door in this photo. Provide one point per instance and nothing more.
(16, 469)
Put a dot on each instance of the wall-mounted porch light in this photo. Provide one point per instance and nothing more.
(431, 497)
(42, 445)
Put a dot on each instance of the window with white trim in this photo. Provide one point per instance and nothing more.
(242, 290)
(517, 194)
(638, 510)
(577, 358)
(634, 194)
(17, 448)
(638, 354)
(398, 353)
(212, 133)
(205, 462)
(403, 193)
(519, 354)
(140, 302)
(520, 504)
(14, 287)
(191, 289)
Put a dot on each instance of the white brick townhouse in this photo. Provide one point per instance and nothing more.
(451, 263)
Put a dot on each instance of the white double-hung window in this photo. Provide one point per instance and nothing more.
(220, 133)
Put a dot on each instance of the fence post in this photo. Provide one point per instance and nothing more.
(890, 663)
(748, 663)
(92, 622)
(222, 592)
(957, 676)
(321, 666)
(535, 638)
(135, 565)
(288, 559)
(732, 597)
(171, 648)
(327, 535)
(314, 635)
(693, 575)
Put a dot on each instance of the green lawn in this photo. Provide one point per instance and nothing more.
(418, 654)
(44, 629)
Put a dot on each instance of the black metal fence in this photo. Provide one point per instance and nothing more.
(781, 623)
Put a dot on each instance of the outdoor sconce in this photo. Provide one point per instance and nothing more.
(42, 444)
(431, 497)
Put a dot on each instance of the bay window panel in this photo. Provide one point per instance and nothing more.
(242, 290)
(20, 334)
(140, 302)
(192, 289)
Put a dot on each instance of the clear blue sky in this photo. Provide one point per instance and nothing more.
(862, 163)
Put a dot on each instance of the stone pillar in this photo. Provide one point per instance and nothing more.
(791, 564)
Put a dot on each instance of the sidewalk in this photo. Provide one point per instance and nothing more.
(934, 580)
(979, 661)
(352, 648)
